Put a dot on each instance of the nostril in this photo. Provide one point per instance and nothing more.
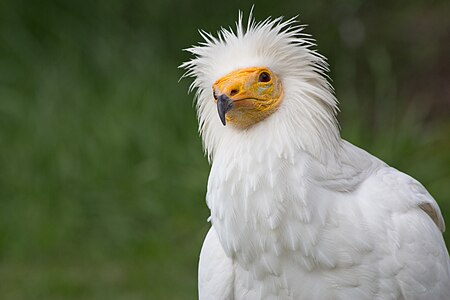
(233, 92)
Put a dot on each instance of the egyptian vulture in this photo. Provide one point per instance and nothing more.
(296, 211)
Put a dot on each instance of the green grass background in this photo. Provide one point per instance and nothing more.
(102, 175)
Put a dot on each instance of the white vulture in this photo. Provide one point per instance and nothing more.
(296, 211)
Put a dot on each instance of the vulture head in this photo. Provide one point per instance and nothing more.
(262, 84)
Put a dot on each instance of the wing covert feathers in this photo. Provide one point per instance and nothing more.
(215, 271)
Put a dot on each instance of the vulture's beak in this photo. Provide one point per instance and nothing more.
(224, 104)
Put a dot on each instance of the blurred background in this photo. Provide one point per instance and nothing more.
(102, 174)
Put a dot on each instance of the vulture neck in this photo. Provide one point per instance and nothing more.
(254, 176)
(280, 136)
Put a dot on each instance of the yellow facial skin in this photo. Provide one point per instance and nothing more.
(255, 94)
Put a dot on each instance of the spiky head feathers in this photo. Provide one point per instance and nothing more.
(306, 116)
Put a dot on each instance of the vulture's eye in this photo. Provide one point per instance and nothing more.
(264, 77)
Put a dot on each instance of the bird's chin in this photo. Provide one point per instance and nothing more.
(247, 113)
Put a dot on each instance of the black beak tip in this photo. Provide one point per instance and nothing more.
(224, 104)
(223, 119)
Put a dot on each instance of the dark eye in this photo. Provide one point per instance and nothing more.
(214, 95)
(264, 77)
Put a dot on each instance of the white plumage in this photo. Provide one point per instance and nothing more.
(297, 212)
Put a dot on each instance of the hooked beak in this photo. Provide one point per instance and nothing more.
(224, 105)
